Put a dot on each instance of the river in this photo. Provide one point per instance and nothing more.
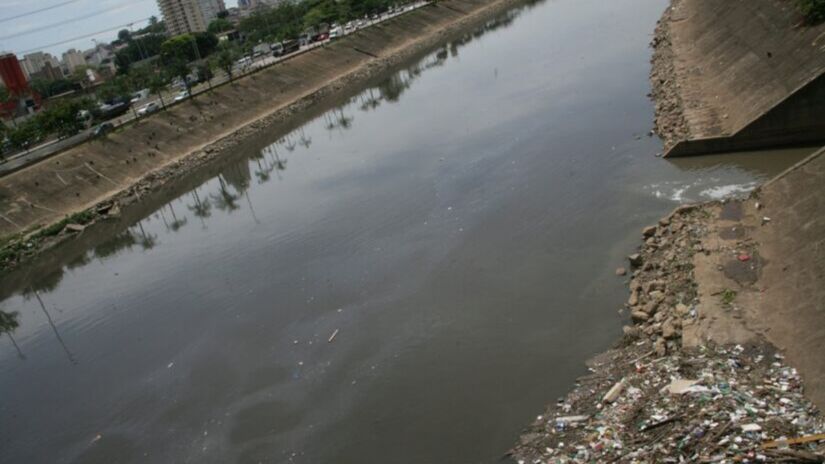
(407, 278)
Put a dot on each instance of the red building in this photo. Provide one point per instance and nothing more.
(18, 87)
(12, 75)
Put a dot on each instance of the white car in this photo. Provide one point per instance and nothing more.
(336, 32)
(148, 109)
(183, 95)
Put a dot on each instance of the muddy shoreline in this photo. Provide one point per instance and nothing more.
(22, 247)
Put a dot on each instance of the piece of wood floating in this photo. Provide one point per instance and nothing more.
(793, 441)
(332, 337)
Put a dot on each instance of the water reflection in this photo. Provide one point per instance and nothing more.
(229, 189)
(8, 323)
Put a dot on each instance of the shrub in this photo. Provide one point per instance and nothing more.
(814, 10)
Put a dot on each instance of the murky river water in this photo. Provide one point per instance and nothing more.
(408, 278)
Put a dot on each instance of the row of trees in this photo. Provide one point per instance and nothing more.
(152, 61)
(289, 19)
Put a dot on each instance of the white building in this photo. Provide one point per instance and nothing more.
(185, 16)
(73, 59)
(210, 9)
(33, 63)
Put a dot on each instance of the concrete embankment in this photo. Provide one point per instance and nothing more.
(152, 152)
(728, 305)
(737, 75)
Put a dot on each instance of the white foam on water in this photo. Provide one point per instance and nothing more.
(726, 191)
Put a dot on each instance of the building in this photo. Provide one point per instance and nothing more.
(210, 9)
(16, 82)
(73, 59)
(33, 63)
(186, 16)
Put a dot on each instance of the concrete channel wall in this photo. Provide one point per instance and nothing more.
(200, 128)
(749, 74)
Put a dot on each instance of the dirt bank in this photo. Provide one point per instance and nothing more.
(727, 303)
(93, 180)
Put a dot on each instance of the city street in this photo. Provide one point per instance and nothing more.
(17, 161)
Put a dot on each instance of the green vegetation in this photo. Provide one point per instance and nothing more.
(728, 296)
(151, 61)
(289, 19)
(814, 10)
(219, 25)
(8, 321)
(14, 247)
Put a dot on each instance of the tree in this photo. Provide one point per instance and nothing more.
(5, 99)
(813, 10)
(219, 25)
(225, 60)
(180, 69)
(205, 72)
(124, 35)
(61, 118)
(188, 47)
(137, 50)
(157, 86)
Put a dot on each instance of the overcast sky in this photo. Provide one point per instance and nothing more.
(54, 21)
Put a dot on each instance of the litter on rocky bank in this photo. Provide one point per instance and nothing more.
(653, 400)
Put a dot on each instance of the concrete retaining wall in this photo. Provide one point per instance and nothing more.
(749, 75)
(799, 120)
(200, 128)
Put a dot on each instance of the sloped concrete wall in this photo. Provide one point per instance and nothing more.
(799, 120)
(737, 63)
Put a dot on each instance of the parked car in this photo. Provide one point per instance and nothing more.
(182, 95)
(336, 32)
(149, 108)
(140, 95)
(243, 62)
(260, 50)
(103, 129)
(284, 48)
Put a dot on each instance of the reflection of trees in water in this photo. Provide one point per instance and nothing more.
(369, 101)
(224, 200)
(273, 162)
(119, 242)
(304, 140)
(337, 119)
(48, 282)
(8, 324)
(147, 241)
(201, 208)
(238, 176)
(54, 328)
(176, 223)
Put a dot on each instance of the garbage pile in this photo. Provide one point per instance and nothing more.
(714, 405)
(651, 400)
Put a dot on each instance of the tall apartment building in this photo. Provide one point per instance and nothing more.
(33, 63)
(185, 16)
(210, 9)
(73, 59)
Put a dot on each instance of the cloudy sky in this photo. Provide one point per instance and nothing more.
(33, 25)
